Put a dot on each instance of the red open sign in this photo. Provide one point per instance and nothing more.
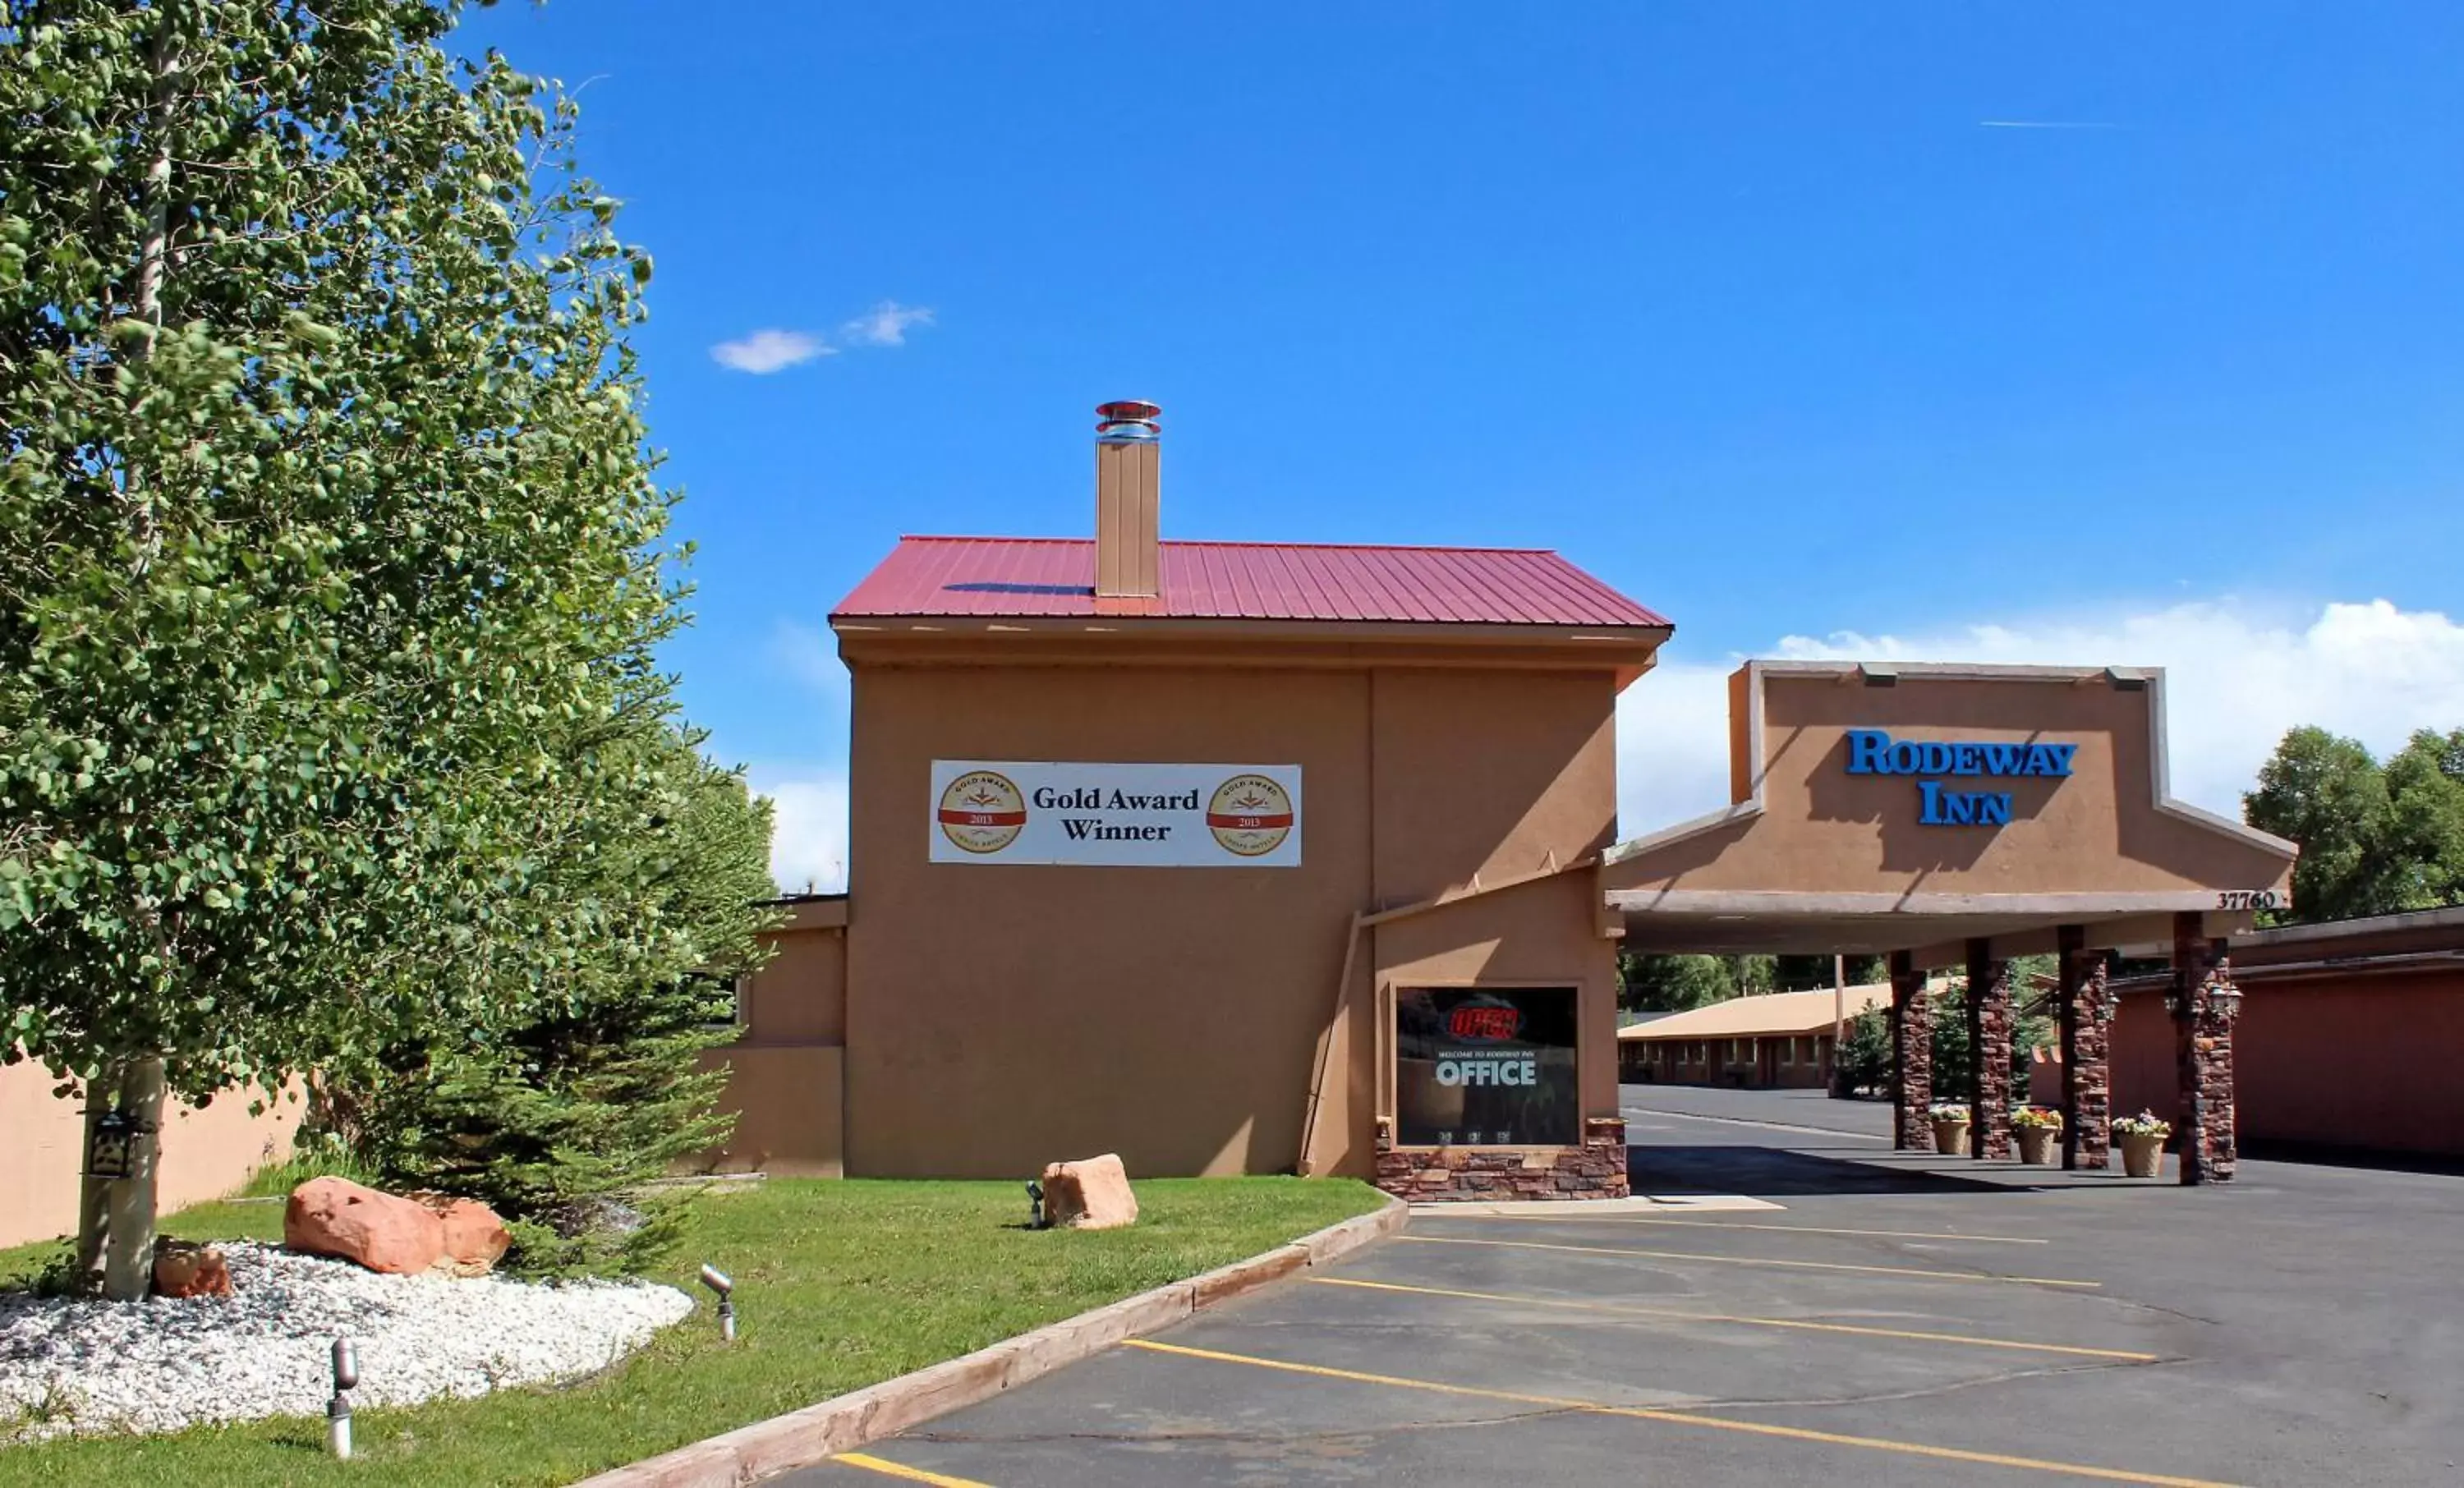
(1482, 1023)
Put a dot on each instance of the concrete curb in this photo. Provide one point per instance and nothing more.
(843, 1423)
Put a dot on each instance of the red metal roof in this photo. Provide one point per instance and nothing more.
(1053, 577)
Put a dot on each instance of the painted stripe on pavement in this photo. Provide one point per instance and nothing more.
(914, 1475)
(1863, 1330)
(1687, 1419)
(1553, 1216)
(1755, 1260)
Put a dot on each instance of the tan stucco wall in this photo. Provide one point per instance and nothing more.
(1541, 933)
(787, 1068)
(206, 1151)
(788, 1102)
(1000, 1016)
(800, 994)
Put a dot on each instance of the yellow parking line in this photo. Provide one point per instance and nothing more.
(1555, 1216)
(914, 1475)
(1583, 1304)
(1687, 1419)
(1755, 1260)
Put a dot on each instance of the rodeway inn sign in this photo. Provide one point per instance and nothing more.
(1874, 752)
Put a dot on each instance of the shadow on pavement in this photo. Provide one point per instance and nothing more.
(1766, 1171)
(2319, 1155)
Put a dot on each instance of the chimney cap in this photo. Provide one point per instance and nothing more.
(1126, 420)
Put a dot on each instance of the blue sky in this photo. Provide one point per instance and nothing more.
(1769, 314)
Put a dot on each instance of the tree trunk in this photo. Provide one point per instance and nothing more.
(94, 1193)
(128, 1259)
(154, 252)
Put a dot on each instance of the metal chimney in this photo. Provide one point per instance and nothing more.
(1127, 549)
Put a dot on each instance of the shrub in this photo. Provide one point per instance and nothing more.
(1865, 1059)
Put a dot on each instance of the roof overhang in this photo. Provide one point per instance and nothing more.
(1116, 640)
(1815, 856)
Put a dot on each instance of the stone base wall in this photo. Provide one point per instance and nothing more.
(1911, 1019)
(2087, 1072)
(2204, 1004)
(1426, 1174)
(2211, 1030)
(1988, 1038)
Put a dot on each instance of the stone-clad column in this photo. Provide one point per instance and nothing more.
(2087, 1075)
(2204, 1002)
(1911, 1057)
(1988, 1048)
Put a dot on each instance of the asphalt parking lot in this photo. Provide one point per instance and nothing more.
(1891, 1320)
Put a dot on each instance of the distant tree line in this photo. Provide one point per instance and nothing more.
(1650, 983)
(2376, 838)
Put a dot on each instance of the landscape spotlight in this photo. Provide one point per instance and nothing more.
(721, 1282)
(1035, 1219)
(338, 1411)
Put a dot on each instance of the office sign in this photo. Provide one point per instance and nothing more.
(1486, 1066)
(1150, 816)
(1941, 803)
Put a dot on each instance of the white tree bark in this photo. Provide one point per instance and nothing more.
(154, 250)
(128, 1256)
(94, 1193)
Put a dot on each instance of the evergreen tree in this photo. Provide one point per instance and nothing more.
(603, 1088)
(1864, 1060)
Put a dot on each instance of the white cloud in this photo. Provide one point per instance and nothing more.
(885, 324)
(2236, 677)
(770, 350)
(810, 656)
(808, 833)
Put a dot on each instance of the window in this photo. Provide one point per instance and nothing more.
(723, 999)
(1486, 1066)
(1788, 1051)
(1738, 1051)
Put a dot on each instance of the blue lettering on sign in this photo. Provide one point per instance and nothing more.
(1874, 752)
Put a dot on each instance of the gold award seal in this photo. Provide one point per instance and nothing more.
(1250, 814)
(983, 812)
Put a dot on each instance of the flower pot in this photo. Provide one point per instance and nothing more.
(2142, 1157)
(1950, 1137)
(2039, 1145)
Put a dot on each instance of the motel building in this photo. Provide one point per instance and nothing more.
(1781, 1040)
(1240, 857)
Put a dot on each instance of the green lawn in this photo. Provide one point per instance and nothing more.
(838, 1285)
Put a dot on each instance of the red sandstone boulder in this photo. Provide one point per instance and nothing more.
(475, 1236)
(183, 1268)
(335, 1217)
(1093, 1194)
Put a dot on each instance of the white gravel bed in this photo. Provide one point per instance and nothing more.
(78, 1366)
